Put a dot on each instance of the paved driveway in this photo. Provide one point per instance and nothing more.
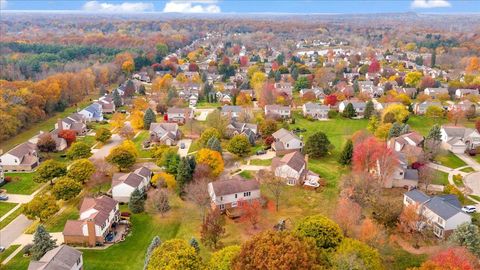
(105, 150)
(473, 181)
(184, 152)
(203, 114)
(14, 230)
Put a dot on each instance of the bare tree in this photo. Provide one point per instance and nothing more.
(275, 185)
(127, 132)
(426, 175)
(157, 202)
(197, 192)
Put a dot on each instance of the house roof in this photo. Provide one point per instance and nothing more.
(276, 107)
(230, 108)
(234, 185)
(284, 135)
(132, 179)
(22, 149)
(59, 258)
(417, 196)
(444, 206)
(294, 160)
(143, 171)
(104, 205)
(73, 227)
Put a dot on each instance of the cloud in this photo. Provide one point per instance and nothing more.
(430, 4)
(3, 4)
(95, 6)
(195, 6)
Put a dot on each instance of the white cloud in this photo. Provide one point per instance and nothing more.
(195, 6)
(430, 4)
(95, 6)
(3, 4)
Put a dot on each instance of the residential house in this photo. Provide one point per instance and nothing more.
(98, 217)
(410, 143)
(60, 143)
(278, 111)
(461, 93)
(285, 88)
(435, 92)
(403, 175)
(358, 106)
(369, 88)
(421, 108)
(464, 105)
(442, 213)
(318, 92)
(286, 142)
(108, 106)
(229, 194)
(459, 139)
(75, 122)
(179, 115)
(315, 110)
(93, 112)
(22, 158)
(164, 133)
(62, 257)
(293, 169)
(233, 112)
(123, 184)
(408, 91)
(247, 129)
(142, 76)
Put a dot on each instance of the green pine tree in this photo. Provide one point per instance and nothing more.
(349, 111)
(347, 153)
(156, 242)
(369, 110)
(42, 243)
(278, 76)
(117, 100)
(395, 130)
(184, 174)
(142, 91)
(148, 118)
(214, 144)
(137, 201)
(194, 243)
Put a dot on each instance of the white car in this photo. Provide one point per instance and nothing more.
(469, 209)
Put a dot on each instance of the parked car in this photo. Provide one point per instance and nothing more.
(469, 209)
(182, 145)
(2, 249)
(261, 152)
(3, 197)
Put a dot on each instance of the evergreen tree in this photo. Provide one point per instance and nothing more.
(347, 153)
(356, 88)
(278, 76)
(117, 100)
(42, 243)
(271, 74)
(434, 57)
(214, 144)
(395, 130)
(184, 174)
(369, 110)
(148, 118)
(194, 243)
(405, 129)
(142, 91)
(156, 242)
(318, 145)
(349, 111)
(294, 73)
(103, 91)
(137, 202)
(434, 134)
(129, 88)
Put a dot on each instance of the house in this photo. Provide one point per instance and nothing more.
(459, 139)
(407, 91)
(293, 169)
(164, 133)
(233, 112)
(435, 92)
(442, 213)
(98, 217)
(421, 108)
(60, 258)
(410, 143)
(460, 93)
(379, 106)
(93, 112)
(317, 92)
(403, 176)
(278, 111)
(315, 110)
(369, 88)
(285, 88)
(358, 106)
(22, 158)
(179, 115)
(286, 142)
(142, 76)
(74, 122)
(464, 105)
(125, 183)
(108, 106)
(247, 129)
(228, 194)
(2, 175)
(60, 143)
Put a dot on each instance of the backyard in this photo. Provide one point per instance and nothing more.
(22, 183)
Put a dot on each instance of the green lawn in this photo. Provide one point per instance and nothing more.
(17, 263)
(475, 197)
(5, 207)
(57, 222)
(261, 162)
(11, 217)
(89, 140)
(477, 158)
(441, 178)
(204, 104)
(395, 258)
(467, 170)
(248, 174)
(22, 183)
(138, 141)
(423, 124)
(7, 252)
(450, 160)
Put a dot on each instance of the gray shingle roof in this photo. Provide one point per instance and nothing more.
(443, 207)
(417, 196)
(59, 258)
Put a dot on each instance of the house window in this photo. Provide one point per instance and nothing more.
(440, 220)
(234, 204)
(288, 145)
(235, 196)
(221, 198)
(222, 206)
(246, 194)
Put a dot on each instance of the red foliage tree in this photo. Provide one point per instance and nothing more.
(275, 66)
(456, 258)
(330, 100)
(244, 61)
(426, 82)
(269, 140)
(192, 67)
(69, 135)
(226, 61)
(456, 115)
(365, 154)
(348, 215)
(374, 66)
(250, 212)
(309, 96)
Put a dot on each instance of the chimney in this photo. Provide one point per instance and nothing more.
(92, 236)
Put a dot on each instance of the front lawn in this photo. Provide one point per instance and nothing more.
(423, 124)
(450, 160)
(247, 174)
(17, 263)
(138, 141)
(441, 178)
(7, 252)
(261, 162)
(89, 140)
(57, 222)
(22, 183)
(5, 207)
(467, 170)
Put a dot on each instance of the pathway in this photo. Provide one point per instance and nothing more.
(184, 152)
(203, 114)
(470, 161)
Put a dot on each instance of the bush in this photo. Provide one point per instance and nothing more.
(8, 179)
(332, 114)
(26, 250)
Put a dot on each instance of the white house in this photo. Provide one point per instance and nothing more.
(124, 184)
(97, 215)
(460, 93)
(359, 107)
(293, 169)
(315, 110)
(93, 112)
(278, 111)
(421, 108)
(75, 122)
(233, 112)
(442, 213)
(22, 158)
(227, 194)
(286, 142)
(435, 92)
(459, 139)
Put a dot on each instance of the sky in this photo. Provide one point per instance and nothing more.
(245, 6)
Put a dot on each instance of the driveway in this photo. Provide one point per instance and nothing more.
(470, 161)
(203, 114)
(14, 230)
(17, 198)
(105, 150)
(184, 152)
(269, 155)
(473, 181)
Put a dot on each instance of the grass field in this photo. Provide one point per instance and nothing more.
(57, 222)
(475, 197)
(138, 141)
(441, 178)
(423, 124)
(467, 170)
(247, 174)
(17, 263)
(7, 252)
(5, 207)
(22, 183)
(261, 162)
(450, 160)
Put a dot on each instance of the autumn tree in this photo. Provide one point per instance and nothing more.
(197, 193)
(211, 158)
(81, 170)
(239, 145)
(48, 170)
(213, 228)
(157, 202)
(46, 143)
(330, 100)
(69, 135)
(468, 236)
(353, 254)
(136, 120)
(103, 135)
(118, 120)
(164, 179)
(435, 112)
(174, 254)
(370, 232)
(66, 188)
(207, 134)
(250, 212)
(121, 157)
(400, 114)
(268, 127)
(456, 115)
(454, 258)
(126, 132)
(223, 259)
(326, 233)
(273, 184)
(79, 150)
(473, 65)
(348, 215)
(41, 207)
(409, 219)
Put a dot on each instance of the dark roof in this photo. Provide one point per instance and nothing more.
(143, 171)
(417, 196)
(443, 207)
(294, 160)
(104, 205)
(59, 258)
(22, 149)
(234, 185)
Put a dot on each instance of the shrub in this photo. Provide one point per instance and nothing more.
(332, 114)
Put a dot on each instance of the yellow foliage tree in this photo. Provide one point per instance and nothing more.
(130, 147)
(473, 65)
(136, 119)
(128, 66)
(164, 178)
(383, 130)
(161, 84)
(211, 158)
(244, 99)
(118, 120)
(140, 104)
(398, 110)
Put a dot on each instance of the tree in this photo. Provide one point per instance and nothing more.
(136, 204)
(239, 145)
(330, 100)
(477, 125)
(409, 219)
(184, 173)
(347, 153)
(127, 132)
(268, 127)
(374, 66)
(129, 89)
(142, 90)
(348, 215)
(353, 254)
(223, 259)
(349, 111)
(164, 179)
(370, 232)
(194, 243)
(46, 143)
(69, 135)
(156, 242)
(369, 110)
(301, 83)
(467, 235)
(136, 120)
(451, 259)
(79, 150)
(121, 157)
(66, 188)
(455, 115)
(170, 160)
(212, 228)
(211, 158)
(81, 170)
(42, 243)
(365, 154)
(373, 124)
(216, 121)
(413, 78)
(243, 99)
(426, 175)
(103, 135)
(250, 212)
(49, 170)
(395, 130)
(157, 202)
(318, 145)
(128, 66)
(435, 112)
(273, 184)
(117, 99)
(435, 133)
(398, 111)
(473, 65)
(207, 134)
(148, 118)
(42, 207)
(214, 144)
(253, 253)
(118, 120)
(326, 233)
(174, 254)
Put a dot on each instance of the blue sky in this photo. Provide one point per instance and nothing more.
(248, 6)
